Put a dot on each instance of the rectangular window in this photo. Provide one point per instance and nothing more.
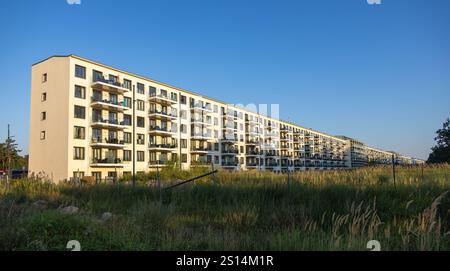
(140, 140)
(127, 155)
(140, 122)
(97, 76)
(174, 97)
(140, 105)
(44, 97)
(44, 78)
(127, 120)
(80, 92)
(127, 102)
(183, 158)
(140, 88)
(183, 143)
(127, 84)
(151, 91)
(183, 99)
(127, 138)
(79, 132)
(80, 112)
(78, 153)
(97, 175)
(80, 71)
(43, 115)
(78, 174)
(140, 156)
(42, 135)
(183, 128)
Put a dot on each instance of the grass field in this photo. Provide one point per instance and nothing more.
(236, 211)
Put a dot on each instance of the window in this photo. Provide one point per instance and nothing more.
(42, 135)
(80, 71)
(80, 112)
(97, 76)
(127, 84)
(126, 155)
(127, 120)
(140, 88)
(44, 97)
(216, 109)
(78, 153)
(97, 175)
(127, 138)
(183, 114)
(43, 115)
(79, 132)
(216, 159)
(127, 102)
(183, 128)
(44, 78)
(140, 139)
(216, 146)
(140, 105)
(183, 99)
(174, 97)
(80, 92)
(140, 122)
(183, 143)
(78, 174)
(152, 91)
(184, 158)
(140, 156)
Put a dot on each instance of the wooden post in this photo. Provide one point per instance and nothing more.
(393, 169)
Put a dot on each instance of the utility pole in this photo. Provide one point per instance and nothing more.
(8, 155)
(134, 136)
(393, 168)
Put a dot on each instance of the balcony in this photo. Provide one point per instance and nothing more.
(109, 85)
(201, 136)
(164, 131)
(252, 165)
(108, 105)
(158, 163)
(108, 142)
(107, 162)
(161, 99)
(201, 122)
(253, 153)
(161, 115)
(162, 147)
(252, 121)
(230, 152)
(229, 164)
(200, 150)
(198, 107)
(109, 123)
(252, 142)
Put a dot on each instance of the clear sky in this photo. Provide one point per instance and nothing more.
(378, 73)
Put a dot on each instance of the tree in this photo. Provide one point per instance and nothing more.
(441, 152)
(9, 155)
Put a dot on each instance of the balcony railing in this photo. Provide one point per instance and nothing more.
(157, 129)
(110, 84)
(114, 141)
(230, 151)
(113, 103)
(162, 146)
(108, 122)
(107, 161)
(229, 164)
(200, 106)
(163, 113)
(162, 98)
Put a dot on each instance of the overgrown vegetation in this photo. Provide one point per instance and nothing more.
(339, 210)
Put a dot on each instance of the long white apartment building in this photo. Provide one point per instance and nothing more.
(89, 119)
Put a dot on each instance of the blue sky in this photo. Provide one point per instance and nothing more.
(378, 73)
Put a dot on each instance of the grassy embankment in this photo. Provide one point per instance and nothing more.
(238, 211)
